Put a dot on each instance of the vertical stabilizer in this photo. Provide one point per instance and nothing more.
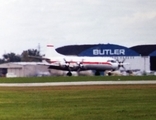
(51, 52)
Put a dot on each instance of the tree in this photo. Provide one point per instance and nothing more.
(30, 52)
(11, 57)
(2, 61)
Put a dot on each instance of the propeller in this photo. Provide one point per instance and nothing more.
(80, 65)
(66, 63)
(121, 64)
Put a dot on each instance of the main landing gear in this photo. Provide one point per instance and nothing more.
(109, 73)
(69, 73)
(97, 73)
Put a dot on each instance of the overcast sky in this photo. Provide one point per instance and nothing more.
(26, 23)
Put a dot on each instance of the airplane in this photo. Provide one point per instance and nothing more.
(57, 61)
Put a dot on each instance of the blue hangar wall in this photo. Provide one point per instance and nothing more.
(153, 61)
(108, 50)
(153, 53)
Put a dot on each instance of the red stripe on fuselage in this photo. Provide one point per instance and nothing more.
(87, 63)
(103, 63)
(53, 61)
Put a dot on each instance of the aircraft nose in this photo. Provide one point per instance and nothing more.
(115, 66)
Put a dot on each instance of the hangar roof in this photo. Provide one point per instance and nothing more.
(145, 50)
(17, 64)
(73, 49)
(108, 50)
(100, 49)
(10, 65)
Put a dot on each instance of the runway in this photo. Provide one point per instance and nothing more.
(77, 83)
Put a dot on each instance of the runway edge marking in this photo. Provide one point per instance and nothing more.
(77, 83)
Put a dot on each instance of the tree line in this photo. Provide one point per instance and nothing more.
(24, 57)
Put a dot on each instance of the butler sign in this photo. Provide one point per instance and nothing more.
(108, 51)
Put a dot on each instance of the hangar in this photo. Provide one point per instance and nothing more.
(142, 57)
(147, 51)
(23, 69)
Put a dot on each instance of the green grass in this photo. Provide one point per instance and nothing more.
(79, 103)
(79, 78)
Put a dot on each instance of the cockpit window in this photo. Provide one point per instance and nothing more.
(112, 61)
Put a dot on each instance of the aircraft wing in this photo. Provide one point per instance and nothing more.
(58, 65)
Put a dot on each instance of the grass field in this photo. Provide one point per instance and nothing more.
(128, 102)
(113, 102)
(70, 79)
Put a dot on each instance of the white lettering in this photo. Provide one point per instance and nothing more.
(112, 52)
(108, 52)
(95, 52)
(122, 51)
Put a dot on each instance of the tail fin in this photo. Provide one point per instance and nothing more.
(51, 52)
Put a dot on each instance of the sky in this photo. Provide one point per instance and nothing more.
(28, 24)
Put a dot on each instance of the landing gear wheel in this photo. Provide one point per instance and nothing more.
(69, 74)
(109, 74)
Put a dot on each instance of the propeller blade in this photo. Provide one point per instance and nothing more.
(80, 65)
(117, 60)
(124, 68)
(67, 64)
(123, 60)
(65, 60)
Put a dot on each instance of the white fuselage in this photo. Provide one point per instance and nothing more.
(86, 63)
